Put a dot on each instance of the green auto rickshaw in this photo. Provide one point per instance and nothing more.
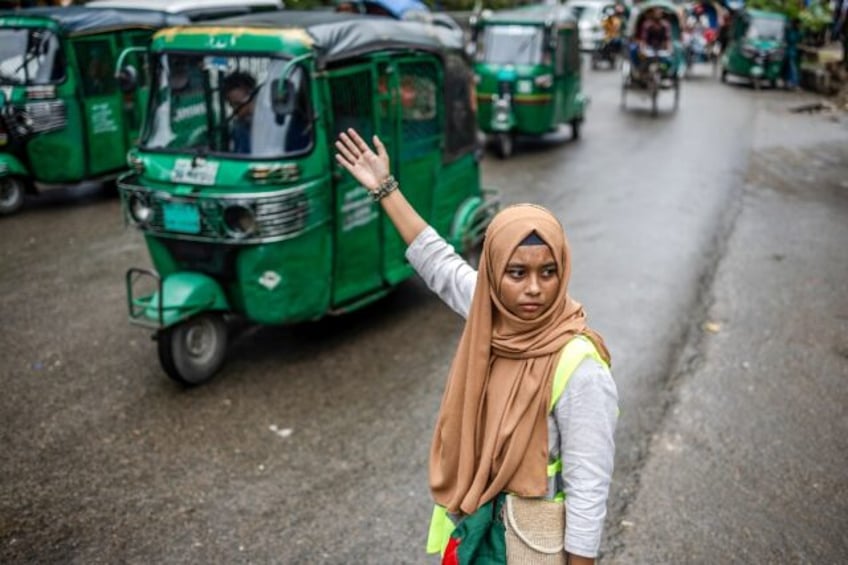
(234, 185)
(756, 48)
(527, 64)
(63, 116)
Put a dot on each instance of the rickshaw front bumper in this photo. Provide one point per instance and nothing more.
(503, 118)
(177, 297)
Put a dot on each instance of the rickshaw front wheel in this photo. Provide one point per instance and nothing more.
(192, 352)
(655, 100)
(11, 195)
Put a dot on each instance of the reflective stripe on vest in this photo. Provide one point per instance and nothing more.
(574, 352)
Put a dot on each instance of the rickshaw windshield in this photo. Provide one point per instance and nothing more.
(512, 45)
(768, 29)
(207, 104)
(30, 56)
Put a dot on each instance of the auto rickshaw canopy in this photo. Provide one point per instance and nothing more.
(670, 11)
(79, 20)
(560, 15)
(331, 36)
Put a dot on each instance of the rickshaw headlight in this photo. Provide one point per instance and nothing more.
(139, 208)
(239, 220)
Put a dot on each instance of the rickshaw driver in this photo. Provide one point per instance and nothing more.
(612, 24)
(655, 35)
(239, 90)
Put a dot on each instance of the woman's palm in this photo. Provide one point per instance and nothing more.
(367, 167)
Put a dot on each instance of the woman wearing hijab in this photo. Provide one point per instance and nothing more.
(501, 425)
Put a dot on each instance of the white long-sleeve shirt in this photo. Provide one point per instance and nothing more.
(580, 427)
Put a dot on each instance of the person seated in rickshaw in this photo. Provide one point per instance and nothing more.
(612, 22)
(654, 35)
(239, 90)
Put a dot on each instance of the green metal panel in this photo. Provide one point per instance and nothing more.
(420, 125)
(458, 181)
(357, 251)
(60, 156)
(102, 103)
(211, 38)
(277, 282)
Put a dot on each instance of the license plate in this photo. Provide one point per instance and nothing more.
(181, 217)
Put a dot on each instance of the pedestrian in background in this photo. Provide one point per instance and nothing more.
(792, 54)
(530, 406)
(840, 27)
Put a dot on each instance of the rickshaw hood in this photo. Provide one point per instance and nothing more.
(331, 36)
(77, 20)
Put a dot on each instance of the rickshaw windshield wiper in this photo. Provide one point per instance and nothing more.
(524, 46)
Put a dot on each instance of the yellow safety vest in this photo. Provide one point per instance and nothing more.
(574, 352)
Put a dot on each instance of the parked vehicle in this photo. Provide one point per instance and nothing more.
(195, 10)
(243, 207)
(64, 119)
(757, 47)
(651, 70)
(528, 73)
(589, 15)
(409, 10)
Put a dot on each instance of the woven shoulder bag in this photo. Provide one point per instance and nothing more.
(535, 530)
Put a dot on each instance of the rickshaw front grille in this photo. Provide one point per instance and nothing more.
(277, 217)
(47, 116)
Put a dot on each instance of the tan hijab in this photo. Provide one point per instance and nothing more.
(491, 434)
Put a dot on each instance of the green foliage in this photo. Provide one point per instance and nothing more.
(815, 18)
(788, 7)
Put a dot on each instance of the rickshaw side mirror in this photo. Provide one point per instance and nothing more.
(128, 79)
(282, 97)
(127, 75)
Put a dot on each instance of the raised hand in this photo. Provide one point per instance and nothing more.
(369, 168)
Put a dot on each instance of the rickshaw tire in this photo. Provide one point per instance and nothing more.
(11, 195)
(723, 75)
(177, 361)
(505, 144)
(575, 128)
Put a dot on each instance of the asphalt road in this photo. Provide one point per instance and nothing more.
(311, 446)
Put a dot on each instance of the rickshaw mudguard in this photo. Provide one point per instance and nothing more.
(581, 101)
(10, 165)
(178, 296)
(471, 219)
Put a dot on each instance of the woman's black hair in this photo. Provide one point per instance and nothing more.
(532, 239)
